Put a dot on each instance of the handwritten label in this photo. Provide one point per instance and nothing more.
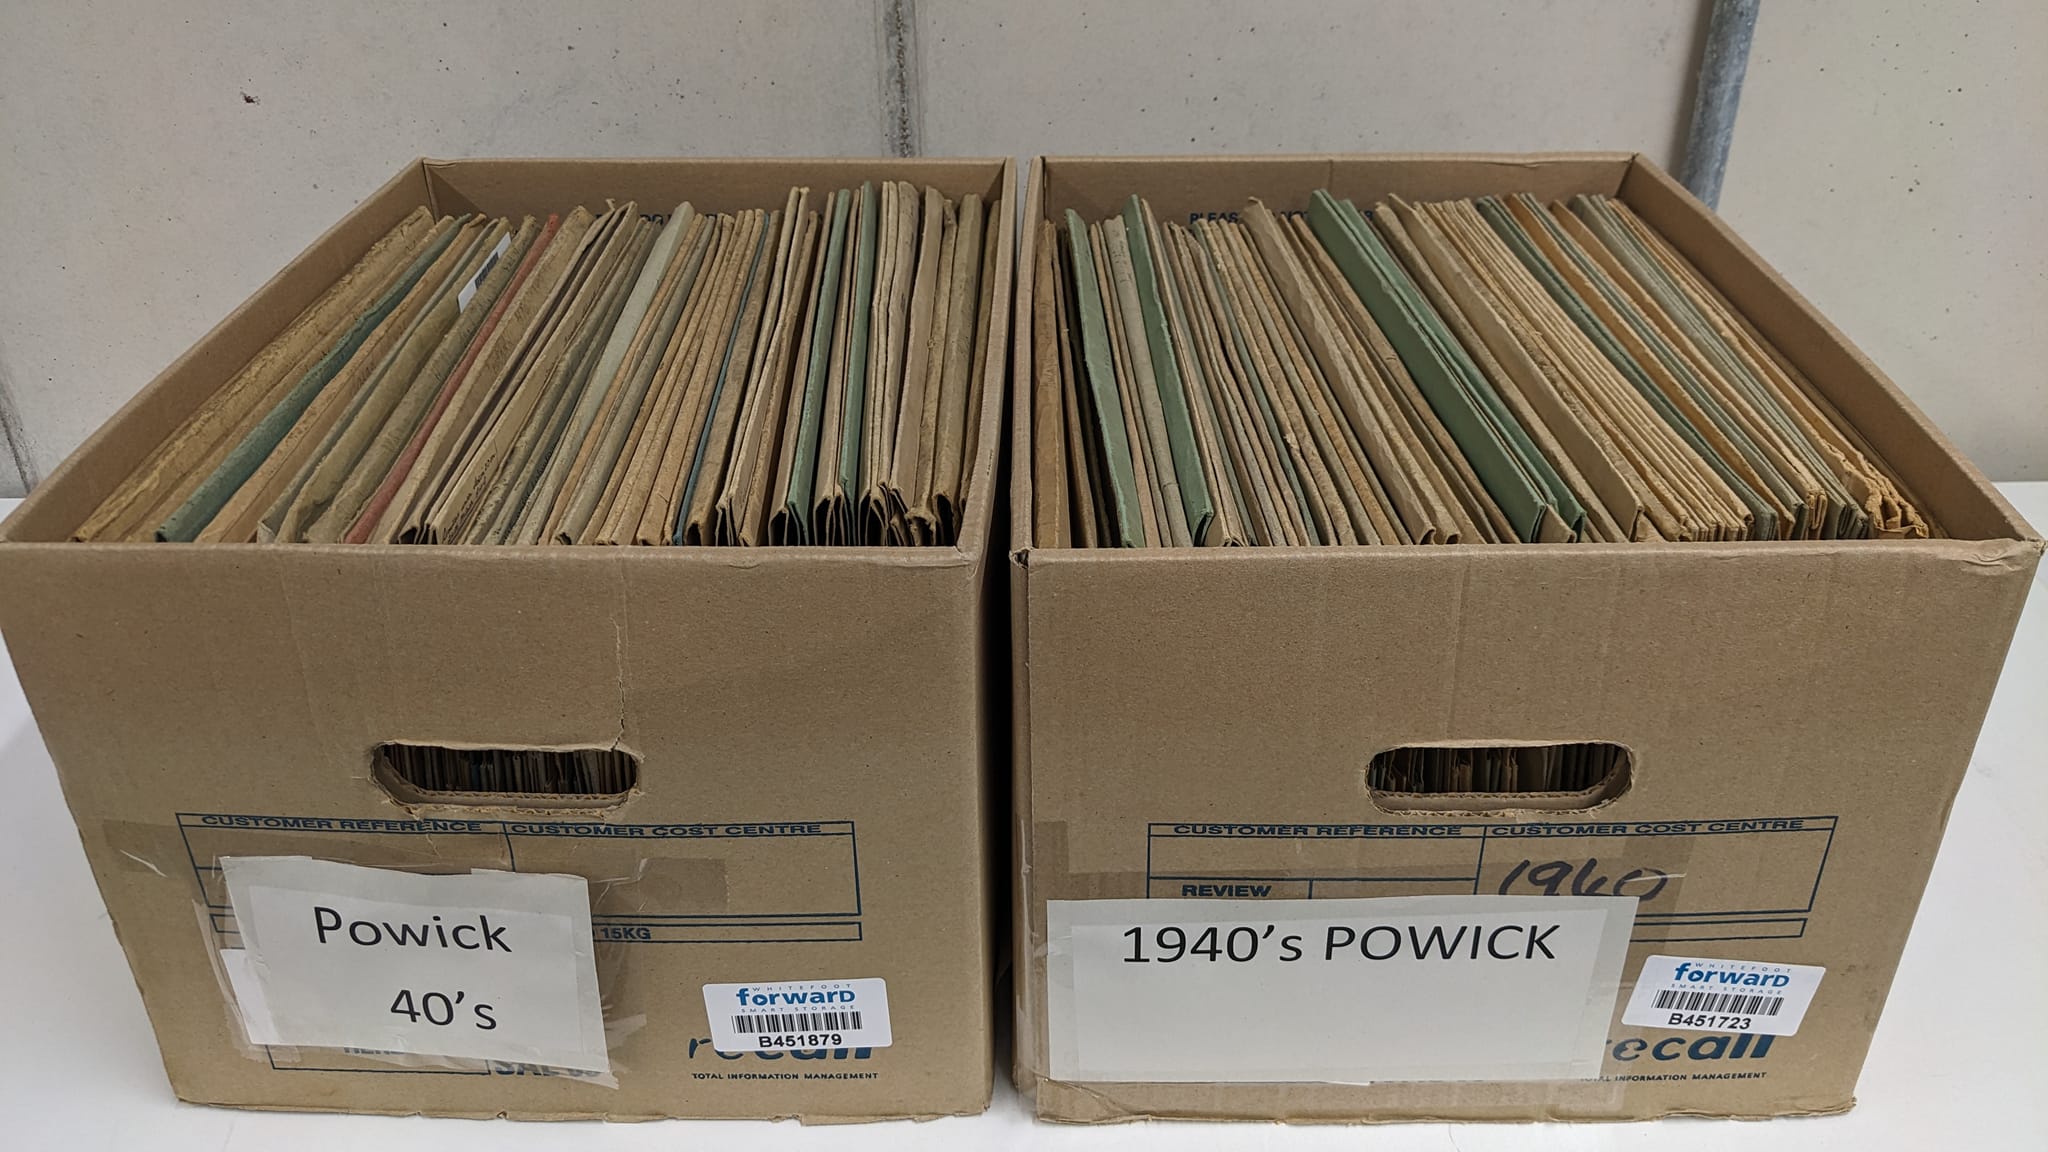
(1583, 878)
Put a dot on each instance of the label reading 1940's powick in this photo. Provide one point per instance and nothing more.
(488, 965)
(1703, 995)
(1344, 991)
(798, 1015)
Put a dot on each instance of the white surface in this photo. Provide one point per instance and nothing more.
(1958, 1062)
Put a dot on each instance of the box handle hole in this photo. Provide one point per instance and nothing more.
(1498, 777)
(506, 777)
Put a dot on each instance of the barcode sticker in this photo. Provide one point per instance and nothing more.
(805, 1015)
(1705, 995)
(1719, 1002)
(798, 1022)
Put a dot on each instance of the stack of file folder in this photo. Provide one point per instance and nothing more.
(801, 374)
(1496, 370)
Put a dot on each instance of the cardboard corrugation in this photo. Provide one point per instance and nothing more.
(1834, 686)
(771, 685)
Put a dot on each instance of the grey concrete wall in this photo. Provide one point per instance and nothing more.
(1306, 76)
(161, 160)
(1892, 161)
(164, 159)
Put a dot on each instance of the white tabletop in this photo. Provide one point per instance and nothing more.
(1960, 1063)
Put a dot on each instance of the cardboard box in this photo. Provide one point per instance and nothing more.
(812, 728)
(1798, 716)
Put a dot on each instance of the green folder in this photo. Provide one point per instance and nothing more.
(1128, 522)
(1173, 400)
(732, 337)
(1599, 216)
(1514, 472)
(1174, 293)
(1511, 231)
(803, 476)
(1248, 370)
(855, 400)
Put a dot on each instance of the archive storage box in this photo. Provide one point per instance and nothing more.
(810, 728)
(1194, 726)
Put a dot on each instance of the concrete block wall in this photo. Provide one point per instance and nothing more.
(1892, 161)
(163, 160)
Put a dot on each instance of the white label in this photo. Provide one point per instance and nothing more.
(1333, 991)
(802, 1014)
(490, 965)
(1704, 995)
(467, 291)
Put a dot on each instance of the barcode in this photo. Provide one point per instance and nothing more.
(798, 1022)
(1731, 1003)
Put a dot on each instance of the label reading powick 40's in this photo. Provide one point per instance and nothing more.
(488, 965)
(1703, 995)
(798, 1015)
(1343, 991)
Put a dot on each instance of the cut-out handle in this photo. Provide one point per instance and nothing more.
(1498, 777)
(505, 777)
